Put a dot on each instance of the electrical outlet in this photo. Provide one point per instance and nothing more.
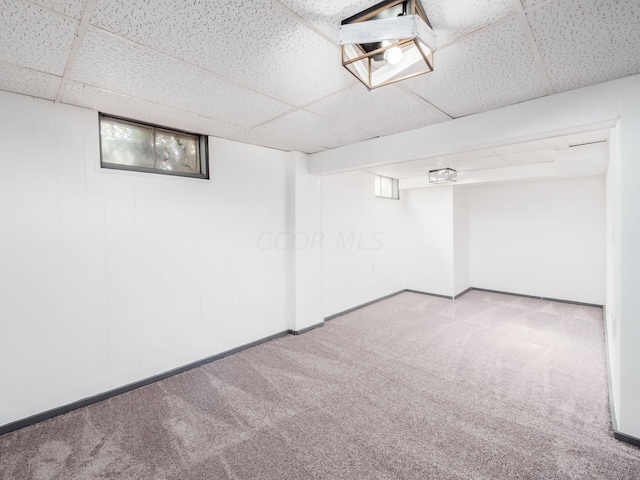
(373, 267)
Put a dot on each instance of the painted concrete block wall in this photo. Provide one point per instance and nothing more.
(428, 251)
(362, 242)
(543, 238)
(108, 277)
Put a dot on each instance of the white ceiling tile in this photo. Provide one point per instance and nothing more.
(530, 158)
(587, 137)
(485, 163)
(73, 8)
(326, 15)
(401, 172)
(307, 127)
(526, 4)
(35, 38)
(488, 70)
(462, 157)
(252, 43)
(452, 19)
(583, 42)
(265, 140)
(561, 141)
(383, 111)
(125, 106)
(117, 65)
(552, 142)
(28, 82)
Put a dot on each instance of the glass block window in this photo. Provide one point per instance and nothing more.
(127, 145)
(386, 187)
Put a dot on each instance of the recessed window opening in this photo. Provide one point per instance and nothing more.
(134, 146)
(386, 187)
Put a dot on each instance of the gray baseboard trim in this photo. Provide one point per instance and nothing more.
(339, 314)
(627, 438)
(538, 298)
(462, 293)
(40, 417)
(618, 435)
(306, 329)
(429, 294)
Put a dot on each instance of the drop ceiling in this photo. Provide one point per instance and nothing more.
(268, 72)
(505, 160)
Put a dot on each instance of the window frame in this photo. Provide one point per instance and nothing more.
(203, 150)
(395, 182)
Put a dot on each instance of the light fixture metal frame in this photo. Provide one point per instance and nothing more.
(402, 31)
(443, 175)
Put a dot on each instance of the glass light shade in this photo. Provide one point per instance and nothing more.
(443, 175)
(389, 42)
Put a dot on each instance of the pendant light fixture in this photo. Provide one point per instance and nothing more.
(443, 175)
(388, 42)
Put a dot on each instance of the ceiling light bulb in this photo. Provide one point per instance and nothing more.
(393, 55)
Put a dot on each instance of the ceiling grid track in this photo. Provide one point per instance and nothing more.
(77, 43)
(49, 10)
(526, 29)
(290, 13)
(491, 26)
(194, 65)
(411, 92)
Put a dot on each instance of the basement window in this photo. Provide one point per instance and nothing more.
(134, 146)
(387, 187)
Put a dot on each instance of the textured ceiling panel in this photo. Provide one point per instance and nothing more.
(491, 69)
(452, 19)
(583, 42)
(306, 127)
(35, 38)
(28, 82)
(326, 15)
(383, 111)
(73, 8)
(124, 106)
(531, 3)
(109, 62)
(251, 43)
(265, 140)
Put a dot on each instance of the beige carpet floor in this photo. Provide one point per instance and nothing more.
(488, 386)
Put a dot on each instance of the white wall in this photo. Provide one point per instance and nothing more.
(543, 238)
(362, 244)
(108, 277)
(629, 260)
(429, 244)
(461, 241)
(613, 266)
(307, 242)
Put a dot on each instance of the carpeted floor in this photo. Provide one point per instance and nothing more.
(488, 386)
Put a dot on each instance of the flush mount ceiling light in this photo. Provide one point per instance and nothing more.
(388, 42)
(443, 175)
